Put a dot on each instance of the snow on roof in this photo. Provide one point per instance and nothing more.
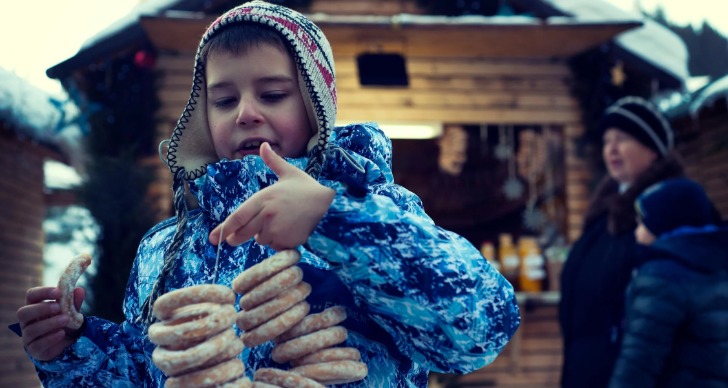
(592, 10)
(424, 20)
(652, 42)
(148, 7)
(34, 113)
(659, 46)
(712, 93)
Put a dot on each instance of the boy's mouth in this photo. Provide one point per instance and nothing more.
(251, 144)
(250, 147)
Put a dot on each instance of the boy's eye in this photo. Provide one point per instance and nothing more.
(224, 102)
(273, 96)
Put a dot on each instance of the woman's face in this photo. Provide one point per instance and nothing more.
(625, 157)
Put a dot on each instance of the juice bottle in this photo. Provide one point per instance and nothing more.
(487, 249)
(532, 272)
(508, 258)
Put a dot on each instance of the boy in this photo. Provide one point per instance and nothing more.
(677, 312)
(261, 113)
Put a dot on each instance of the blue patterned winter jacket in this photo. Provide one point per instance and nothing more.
(418, 297)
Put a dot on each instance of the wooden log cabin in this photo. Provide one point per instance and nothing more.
(497, 78)
(701, 124)
(26, 142)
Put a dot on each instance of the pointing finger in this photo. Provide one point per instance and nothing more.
(276, 163)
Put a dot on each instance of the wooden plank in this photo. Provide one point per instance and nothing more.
(405, 97)
(455, 114)
(364, 7)
(438, 67)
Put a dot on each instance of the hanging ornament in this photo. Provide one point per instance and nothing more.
(484, 148)
(617, 74)
(550, 189)
(502, 150)
(533, 217)
(512, 188)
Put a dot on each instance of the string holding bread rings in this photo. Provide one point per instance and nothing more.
(67, 284)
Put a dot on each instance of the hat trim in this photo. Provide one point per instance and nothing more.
(637, 120)
(184, 119)
(659, 116)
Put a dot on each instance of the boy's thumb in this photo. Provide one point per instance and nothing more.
(272, 160)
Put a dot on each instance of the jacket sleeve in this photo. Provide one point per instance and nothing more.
(445, 306)
(108, 354)
(655, 310)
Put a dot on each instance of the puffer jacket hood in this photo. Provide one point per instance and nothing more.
(703, 249)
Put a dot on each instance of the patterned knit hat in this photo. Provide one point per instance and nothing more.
(674, 203)
(640, 119)
(191, 147)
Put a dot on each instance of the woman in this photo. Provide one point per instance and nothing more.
(637, 151)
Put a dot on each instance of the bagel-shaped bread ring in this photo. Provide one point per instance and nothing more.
(309, 343)
(219, 374)
(260, 384)
(276, 326)
(326, 355)
(221, 347)
(192, 328)
(250, 319)
(330, 317)
(214, 293)
(242, 382)
(284, 379)
(334, 372)
(270, 288)
(67, 284)
(256, 274)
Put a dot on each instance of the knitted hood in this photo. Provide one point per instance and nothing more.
(190, 146)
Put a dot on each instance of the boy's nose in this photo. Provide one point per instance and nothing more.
(248, 115)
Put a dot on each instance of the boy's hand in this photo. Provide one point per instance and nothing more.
(282, 215)
(45, 335)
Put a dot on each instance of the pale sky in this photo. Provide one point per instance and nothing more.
(38, 34)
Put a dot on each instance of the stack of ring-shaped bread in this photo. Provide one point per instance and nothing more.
(196, 342)
(273, 307)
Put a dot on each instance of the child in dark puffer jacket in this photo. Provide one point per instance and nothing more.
(676, 331)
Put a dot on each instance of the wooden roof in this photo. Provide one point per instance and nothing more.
(351, 36)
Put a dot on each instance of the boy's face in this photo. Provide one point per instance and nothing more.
(643, 235)
(253, 98)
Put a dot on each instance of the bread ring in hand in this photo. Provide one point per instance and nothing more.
(334, 372)
(221, 347)
(166, 304)
(326, 355)
(251, 319)
(258, 273)
(219, 374)
(67, 284)
(330, 317)
(191, 329)
(309, 343)
(284, 379)
(272, 287)
(276, 325)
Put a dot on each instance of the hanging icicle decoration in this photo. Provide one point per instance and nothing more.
(533, 217)
(484, 147)
(512, 188)
(502, 150)
(550, 189)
